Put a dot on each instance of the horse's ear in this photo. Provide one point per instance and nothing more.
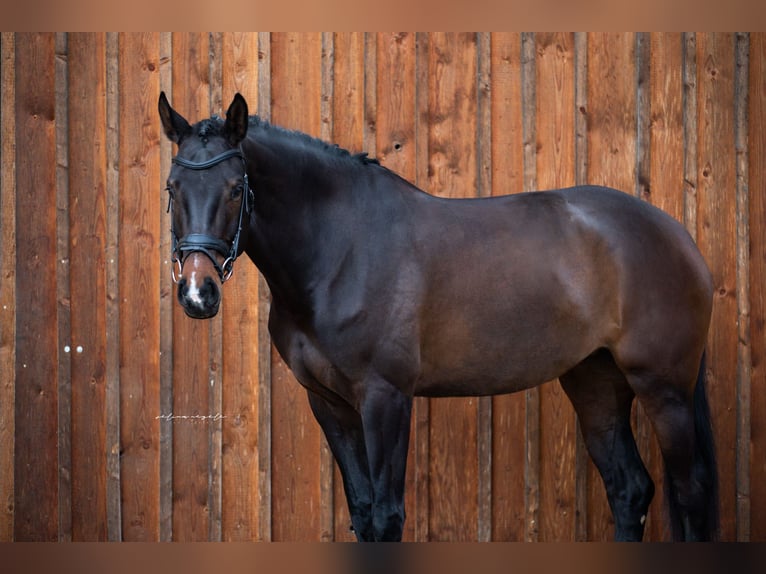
(174, 124)
(235, 128)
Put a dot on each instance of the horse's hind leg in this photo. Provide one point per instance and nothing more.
(680, 419)
(602, 399)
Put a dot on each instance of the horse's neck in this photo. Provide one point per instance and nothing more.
(283, 239)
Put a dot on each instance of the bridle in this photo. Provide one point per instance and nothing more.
(202, 243)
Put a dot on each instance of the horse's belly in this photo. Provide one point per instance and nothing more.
(478, 373)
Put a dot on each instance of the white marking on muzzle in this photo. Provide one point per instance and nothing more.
(194, 293)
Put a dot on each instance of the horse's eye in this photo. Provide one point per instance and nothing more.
(237, 191)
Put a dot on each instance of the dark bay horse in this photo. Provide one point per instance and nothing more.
(382, 292)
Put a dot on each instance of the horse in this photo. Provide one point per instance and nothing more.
(381, 292)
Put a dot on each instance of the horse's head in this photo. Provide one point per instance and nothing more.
(210, 200)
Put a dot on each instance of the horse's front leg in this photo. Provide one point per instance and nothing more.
(386, 420)
(342, 427)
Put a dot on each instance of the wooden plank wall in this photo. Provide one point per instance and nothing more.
(122, 419)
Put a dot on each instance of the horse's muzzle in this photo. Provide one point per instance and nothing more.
(199, 295)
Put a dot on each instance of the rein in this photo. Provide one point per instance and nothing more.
(202, 243)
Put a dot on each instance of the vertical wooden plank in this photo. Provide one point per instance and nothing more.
(264, 338)
(167, 302)
(582, 459)
(421, 428)
(347, 130)
(139, 285)
(296, 104)
(484, 189)
(112, 361)
(507, 169)
(392, 116)
(240, 312)
(555, 168)
(215, 368)
(532, 396)
(716, 235)
(327, 465)
(452, 167)
(744, 367)
(36, 452)
(665, 190)
(690, 132)
(87, 223)
(8, 276)
(191, 338)
(757, 209)
(64, 432)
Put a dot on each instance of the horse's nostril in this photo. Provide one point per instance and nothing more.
(210, 293)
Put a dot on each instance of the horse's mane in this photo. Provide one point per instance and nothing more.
(214, 127)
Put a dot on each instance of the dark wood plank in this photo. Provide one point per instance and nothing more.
(36, 448)
(167, 302)
(507, 169)
(452, 167)
(484, 189)
(112, 365)
(87, 224)
(744, 354)
(64, 371)
(757, 209)
(264, 337)
(240, 337)
(296, 444)
(555, 168)
(139, 285)
(192, 346)
(716, 236)
(531, 396)
(582, 458)
(8, 274)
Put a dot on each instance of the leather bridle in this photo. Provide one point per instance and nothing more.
(202, 243)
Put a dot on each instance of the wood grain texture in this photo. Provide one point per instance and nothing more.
(139, 286)
(36, 398)
(757, 210)
(716, 233)
(240, 310)
(87, 235)
(8, 282)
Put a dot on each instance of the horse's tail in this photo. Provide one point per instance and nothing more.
(705, 469)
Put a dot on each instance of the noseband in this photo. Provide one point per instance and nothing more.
(202, 243)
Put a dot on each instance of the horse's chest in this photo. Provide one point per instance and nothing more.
(313, 368)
